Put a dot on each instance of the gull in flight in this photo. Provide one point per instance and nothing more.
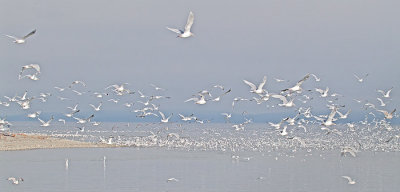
(59, 89)
(186, 32)
(219, 97)
(285, 102)
(382, 103)
(200, 101)
(33, 77)
(279, 80)
(360, 80)
(30, 66)
(188, 118)
(62, 120)
(385, 94)
(14, 180)
(21, 40)
(77, 82)
(34, 115)
(324, 93)
(227, 116)
(259, 89)
(83, 121)
(344, 116)
(96, 108)
(157, 88)
(316, 78)
(172, 179)
(329, 121)
(297, 87)
(350, 180)
(120, 89)
(387, 114)
(47, 123)
(163, 118)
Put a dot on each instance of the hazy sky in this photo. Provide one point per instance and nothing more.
(106, 42)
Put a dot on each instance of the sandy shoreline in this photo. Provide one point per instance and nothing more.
(21, 141)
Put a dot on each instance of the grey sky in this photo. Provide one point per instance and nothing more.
(106, 42)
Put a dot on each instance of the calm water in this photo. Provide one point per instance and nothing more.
(206, 158)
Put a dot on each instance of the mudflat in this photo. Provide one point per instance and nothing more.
(21, 141)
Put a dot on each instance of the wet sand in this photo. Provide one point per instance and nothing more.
(21, 141)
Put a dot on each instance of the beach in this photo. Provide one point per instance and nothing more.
(22, 141)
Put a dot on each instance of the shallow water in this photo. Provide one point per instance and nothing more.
(147, 169)
(209, 157)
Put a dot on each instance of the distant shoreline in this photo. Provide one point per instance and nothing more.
(21, 141)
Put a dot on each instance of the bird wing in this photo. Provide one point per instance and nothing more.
(281, 97)
(36, 67)
(162, 115)
(192, 99)
(347, 177)
(41, 121)
(302, 80)
(263, 83)
(12, 37)
(29, 34)
(319, 90)
(332, 114)
(394, 110)
(189, 22)
(356, 76)
(175, 30)
(252, 86)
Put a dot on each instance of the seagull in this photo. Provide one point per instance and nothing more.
(259, 89)
(350, 181)
(96, 108)
(59, 89)
(279, 80)
(285, 102)
(297, 87)
(120, 89)
(45, 124)
(72, 113)
(186, 33)
(82, 121)
(199, 101)
(344, 116)
(172, 179)
(360, 80)
(324, 93)
(387, 114)
(219, 97)
(34, 115)
(33, 77)
(316, 78)
(15, 181)
(277, 125)
(163, 119)
(30, 66)
(381, 101)
(77, 92)
(385, 94)
(188, 118)
(77, 82)
(329, 121)
(62, 120)
(21, 40)
(227, 116)
(157, 88)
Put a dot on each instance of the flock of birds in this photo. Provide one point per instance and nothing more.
(149, 105)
